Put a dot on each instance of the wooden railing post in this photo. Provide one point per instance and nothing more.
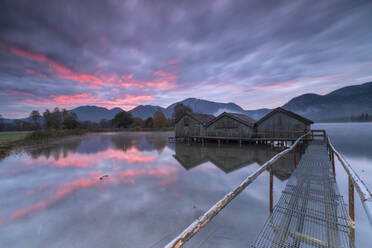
(351, 209)
(333, 162)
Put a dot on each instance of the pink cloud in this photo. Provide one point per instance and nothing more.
(29, 55)
(283, 85)
(173, 61)
(30, 71)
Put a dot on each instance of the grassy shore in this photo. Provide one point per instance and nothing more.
(10, 140)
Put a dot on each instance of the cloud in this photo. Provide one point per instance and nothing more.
(171, 51)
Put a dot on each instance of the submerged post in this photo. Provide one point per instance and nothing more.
(271, 191)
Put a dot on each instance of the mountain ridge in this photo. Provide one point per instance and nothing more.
(343, 102)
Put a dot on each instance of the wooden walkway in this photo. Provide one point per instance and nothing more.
(310, 211)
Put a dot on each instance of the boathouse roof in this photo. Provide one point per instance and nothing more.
(287, 112)
(201, 118)
(244, 119)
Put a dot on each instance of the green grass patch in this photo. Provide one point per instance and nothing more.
(6, 137)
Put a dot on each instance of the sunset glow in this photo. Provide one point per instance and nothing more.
(69, 64)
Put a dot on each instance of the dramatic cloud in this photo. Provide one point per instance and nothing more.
(125, 53)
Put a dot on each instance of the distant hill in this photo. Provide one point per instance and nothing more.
(207, 107)
(94, 113)
(340, 104)
(197, 105)
(344, 102)
(145, 111)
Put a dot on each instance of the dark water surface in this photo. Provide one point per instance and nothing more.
(136, 190)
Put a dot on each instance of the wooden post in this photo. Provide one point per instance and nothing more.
(351, 209)
(271, 190)
(240, 143)
(333, 162)
(219, 143)
(294, 157)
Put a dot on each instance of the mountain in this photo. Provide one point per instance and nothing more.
(94, 113)
(345, 102)
(207, 107)
(342, 103)
(145, 111)
(197, 106)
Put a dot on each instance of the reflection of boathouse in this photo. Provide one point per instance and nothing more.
(231, 158)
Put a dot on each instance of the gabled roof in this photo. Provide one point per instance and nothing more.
(244, 119)
(201, 118)
(289, 113)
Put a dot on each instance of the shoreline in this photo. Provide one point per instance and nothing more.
(47, 136)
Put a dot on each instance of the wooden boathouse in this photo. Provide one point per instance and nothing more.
(192, 124)
(281, 123)
(231, 125)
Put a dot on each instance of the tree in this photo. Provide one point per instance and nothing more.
(105, 123)
(56, 118)
(137, 123)
(122, 120)
(35, 119)
(2, 126)
(65, 114)
(180, 110)
(149, 122)
(159, 119)
(70, 123)
(69, 120)
(47, 119)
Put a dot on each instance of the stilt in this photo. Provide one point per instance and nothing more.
(271, 190)
(294, 157)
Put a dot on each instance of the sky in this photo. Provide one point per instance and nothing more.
(117, 53)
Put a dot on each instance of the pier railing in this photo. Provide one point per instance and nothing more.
(192, 229)
(354, 180)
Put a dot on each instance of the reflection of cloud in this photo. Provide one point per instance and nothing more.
(165, 175)
(130, 156)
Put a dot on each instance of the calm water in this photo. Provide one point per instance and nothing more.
(136, 190)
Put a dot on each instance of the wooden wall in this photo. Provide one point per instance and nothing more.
(187, 127)
(281, 125)
(228, 127)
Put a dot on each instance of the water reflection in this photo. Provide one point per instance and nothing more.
(229, 158)
(131, 190)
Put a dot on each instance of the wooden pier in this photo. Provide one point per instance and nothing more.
(311, 212)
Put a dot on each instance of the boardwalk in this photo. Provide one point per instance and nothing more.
(310, 212)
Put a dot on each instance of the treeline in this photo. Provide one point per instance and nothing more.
(62, 119)
(126, 120)
(56, 119)
(364, 117)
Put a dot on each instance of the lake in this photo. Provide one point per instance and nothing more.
(137, 190)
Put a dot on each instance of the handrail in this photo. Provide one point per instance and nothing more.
(192, 229)
(363, 192)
